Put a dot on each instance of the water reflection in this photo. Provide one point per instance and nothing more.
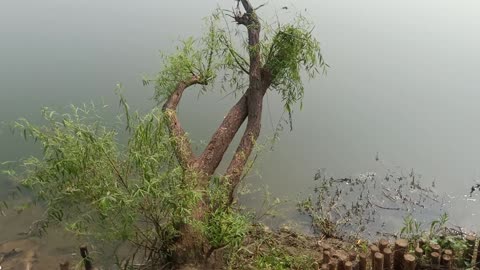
(403, 83)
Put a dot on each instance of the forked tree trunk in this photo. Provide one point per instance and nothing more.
(192, 248)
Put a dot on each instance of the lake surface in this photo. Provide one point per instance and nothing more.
(403, 83)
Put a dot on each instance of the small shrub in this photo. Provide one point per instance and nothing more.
(277, 259)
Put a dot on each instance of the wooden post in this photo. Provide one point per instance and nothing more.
(352, 256)
(378, 261)
(419, 252)
(447, 261)
(348, 265)
(65, 265)
(383, 244)
(363, 262)
(418, 255)
(435, 260)
(326, 257)
(409, 262)
(373, 250)
(400, 250)
(341, 263)
(477, 260)
(435, 248)
(332, 265)
(470, 247)
(387, 260)
(86, 259)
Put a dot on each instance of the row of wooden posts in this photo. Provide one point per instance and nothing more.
(385, 256)
(381, 256)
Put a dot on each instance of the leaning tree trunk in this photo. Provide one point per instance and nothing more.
(192, 249)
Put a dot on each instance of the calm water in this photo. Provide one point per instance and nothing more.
(403, 83)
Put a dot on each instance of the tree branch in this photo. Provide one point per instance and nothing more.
(182, 147)
(249, 105)
(237, 59)
(262, 5)
(249, 17)
(235, 168)
(247, 6)
(176, 95)
(223, 136)
(259, 82)
(250, 20)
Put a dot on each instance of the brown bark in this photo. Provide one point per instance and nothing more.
(259, 81)
(183, 148)
(223, 136)
(191, 246)
(249, 105)
(235, 169)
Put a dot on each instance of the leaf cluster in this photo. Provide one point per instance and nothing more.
(437, 233)
(293, 50)
(204, 57)
(138, 193)
(223, 225)
(102, 189)
(287, 52)
(411, 229)
(278, 259)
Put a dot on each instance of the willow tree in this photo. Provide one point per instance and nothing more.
(272, 63)
(156, 192)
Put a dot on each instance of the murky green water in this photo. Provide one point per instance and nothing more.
(403, 83)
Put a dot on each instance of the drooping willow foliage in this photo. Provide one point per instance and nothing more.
(288, 52)
(97, 187)
(104, 190)
(137, 191)
(193, 57)
(293, 50)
